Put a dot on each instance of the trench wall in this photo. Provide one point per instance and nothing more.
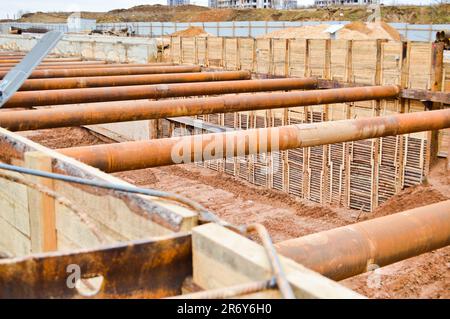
(113, 49)
(31, 222)
(359, 175)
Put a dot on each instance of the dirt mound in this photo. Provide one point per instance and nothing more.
(146, 13)
(305, 32)
(352, 31)
(190, 32)
(368, 31)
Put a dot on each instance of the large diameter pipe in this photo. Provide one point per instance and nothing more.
(354, 249)
(74, 65)
(80, 64)
(65, 73)
(157, 91)
(14, 60)
(197, 148)
(105, 81)
(120, 111)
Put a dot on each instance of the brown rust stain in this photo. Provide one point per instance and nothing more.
(140, 269)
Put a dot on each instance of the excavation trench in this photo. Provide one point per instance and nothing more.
(239, 202)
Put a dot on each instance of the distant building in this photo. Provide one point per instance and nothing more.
(177, 2)
(329, 3)
(253, 4)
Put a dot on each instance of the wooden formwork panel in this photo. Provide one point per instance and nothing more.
(317, 51)
(263, 56)
(215, 51)
(175, 49)
(360, 179)
(231, 54)
(297, 57)
(444, 135)
(390, 150)
(336, 164)
(201, 48)
(323, 174)
(444, 143)
(188, 50)
(364, 61)
(391, 63)
(339, 60)
(414, 160)
(280, 57)
(246, 53)
(295, 158)
(419, 68)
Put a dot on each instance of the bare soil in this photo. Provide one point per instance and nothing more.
(191, 13)
(424, 276)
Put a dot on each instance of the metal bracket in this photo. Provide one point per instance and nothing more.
(14, 79)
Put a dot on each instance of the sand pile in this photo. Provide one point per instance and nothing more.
(191, 32)
(352, 31)
(368, 31)
(305, 32)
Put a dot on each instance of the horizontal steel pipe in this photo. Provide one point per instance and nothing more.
(105, 81)
(120, 111)
(72, 65)
(157, 91)
(197, 148)
(80, 64)
(14, 60)
(354, 249)
(17, 55)
(64, 73)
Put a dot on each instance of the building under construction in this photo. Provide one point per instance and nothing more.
(225, 167)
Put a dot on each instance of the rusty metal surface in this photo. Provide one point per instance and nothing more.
(105, 81)
(157, 91)
(350, 250)
(92, 65)
(14, 60)
(63, 73)
(160, 152)
(120, 111)
(141, 269)
(62, 65)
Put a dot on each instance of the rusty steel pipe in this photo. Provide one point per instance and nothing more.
(157, 91)
(354, 249)
(80, 64)
(120, 111)
(69, 65)
(64, 73)
(17, 55)
(187, 149)
(145, 79)
(14, 60)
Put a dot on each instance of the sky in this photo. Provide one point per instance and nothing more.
(9, 7)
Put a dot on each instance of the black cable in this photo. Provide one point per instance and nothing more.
(206, 215)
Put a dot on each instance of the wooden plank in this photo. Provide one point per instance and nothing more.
(41, 207)
(12, 241)
(223, 258)
(148, 215)
(426, 95)
(14, 204)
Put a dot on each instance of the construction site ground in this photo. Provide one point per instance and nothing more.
(237, 201)
(145, 13)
